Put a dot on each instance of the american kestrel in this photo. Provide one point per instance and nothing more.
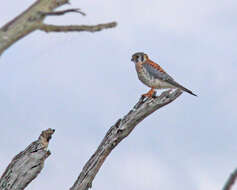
(152, 75)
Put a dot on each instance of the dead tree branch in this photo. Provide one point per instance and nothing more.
(56, 13)
(26, 165)
(121, 129)
(32, 19)
(231, 180)
(76, 28)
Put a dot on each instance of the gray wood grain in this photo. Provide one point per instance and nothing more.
(26, 165)
(121, 129)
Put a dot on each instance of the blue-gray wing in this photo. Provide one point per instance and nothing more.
(154, 72)
(157, 72)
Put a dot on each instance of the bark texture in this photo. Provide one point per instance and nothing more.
(121, 129)
(32, 19)
(26, 165)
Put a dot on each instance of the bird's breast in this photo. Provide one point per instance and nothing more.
(144, 76)
(149, 80)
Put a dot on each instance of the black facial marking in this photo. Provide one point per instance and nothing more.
(139, 56)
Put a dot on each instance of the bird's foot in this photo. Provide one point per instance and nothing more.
(150, 94)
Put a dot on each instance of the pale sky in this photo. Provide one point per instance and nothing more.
(81, 83)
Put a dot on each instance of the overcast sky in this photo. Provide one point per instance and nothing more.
(81, 83)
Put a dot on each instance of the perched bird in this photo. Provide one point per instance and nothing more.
(152, 75)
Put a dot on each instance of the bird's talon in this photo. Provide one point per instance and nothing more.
(150, 94)
(146, 96)
(154, 94)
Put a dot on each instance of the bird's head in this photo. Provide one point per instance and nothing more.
(139, 57)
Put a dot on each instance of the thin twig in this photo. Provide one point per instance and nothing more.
(231, 180)
(76, 28)
(57, 13)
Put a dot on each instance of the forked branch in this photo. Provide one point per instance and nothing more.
(32, 19)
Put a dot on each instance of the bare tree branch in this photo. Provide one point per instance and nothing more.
(76, 28)
(32, 19)
(56, 13)
(121, 129)
(26, 165)
(231, 180)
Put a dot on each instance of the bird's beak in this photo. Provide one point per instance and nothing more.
(132, 59)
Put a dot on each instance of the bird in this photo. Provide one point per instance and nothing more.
(153, 75)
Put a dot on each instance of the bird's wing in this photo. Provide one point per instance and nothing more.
(157, 72)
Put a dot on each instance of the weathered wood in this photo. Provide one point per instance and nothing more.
(121, 129)
(32, 19)
(26, 165)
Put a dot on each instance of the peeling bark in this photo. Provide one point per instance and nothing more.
(121, 129)
(26, 165)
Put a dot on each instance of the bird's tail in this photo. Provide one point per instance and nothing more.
(182, 88)
(187, 90)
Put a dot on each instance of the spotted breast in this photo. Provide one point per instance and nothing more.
(151, 77)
